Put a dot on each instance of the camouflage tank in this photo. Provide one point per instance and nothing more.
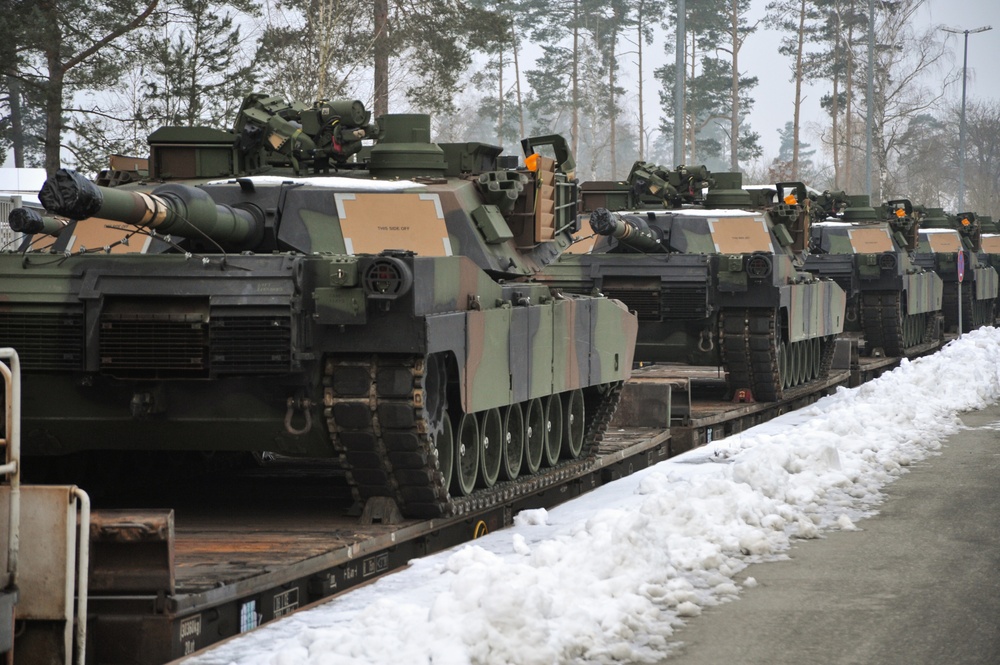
(892, 302)
(991, 252)
(317, 297)
(942, 238)
(713, 283)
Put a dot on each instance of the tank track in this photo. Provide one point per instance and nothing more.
(886, 328)
(749, 350)
(975, 313)
(377, 423)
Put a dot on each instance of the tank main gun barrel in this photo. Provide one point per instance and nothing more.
(28, 221)
(629, 231)
(172, 208)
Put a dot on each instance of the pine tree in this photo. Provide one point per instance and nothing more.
(72, 45)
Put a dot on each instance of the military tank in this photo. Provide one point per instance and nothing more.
(946, 243)
(893, 303)
(712, 282)
(991, 252)
(315, 296)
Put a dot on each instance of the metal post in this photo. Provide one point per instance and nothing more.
(679, 87)
(870, 101)
(961, 125)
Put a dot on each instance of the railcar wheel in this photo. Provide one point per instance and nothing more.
(491, 450)
(467, 454)
(444, 444)
(534, 435)
(513, 442)
(573, 423)
(553, 429)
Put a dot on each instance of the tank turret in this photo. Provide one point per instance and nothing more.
(304, 293)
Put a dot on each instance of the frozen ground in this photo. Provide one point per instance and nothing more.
(607, 577)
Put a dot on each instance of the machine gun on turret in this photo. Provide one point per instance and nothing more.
(904, 222)
(326, 134)
(674, 187)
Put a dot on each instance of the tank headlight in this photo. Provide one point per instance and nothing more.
(387, 278)
(759, 266)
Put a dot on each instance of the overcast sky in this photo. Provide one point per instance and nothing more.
(774, 92)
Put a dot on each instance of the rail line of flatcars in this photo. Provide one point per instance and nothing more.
(440, 320)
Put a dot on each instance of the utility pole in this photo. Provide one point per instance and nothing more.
(961, 126)
(870, 101)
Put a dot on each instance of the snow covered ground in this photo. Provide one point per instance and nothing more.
(607, 577)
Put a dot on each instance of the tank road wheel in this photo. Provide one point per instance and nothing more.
(795, 348)
(817, 357)
(491, 452)
(553, 429)
(784, 364)
(807, 360)
(513, 442)
(467, 452)
(444, 444)
(534, 435)
(573, 423)
(803, 348)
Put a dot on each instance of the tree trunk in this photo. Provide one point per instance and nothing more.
(849, 107)
(612, 110)
(517, 79)
(642, 124)
(689, 109)
(53, 114)
(500, 97)
(798, 92)
(574, 131)
(734, 121)
(16, 125)
(835, 109)
(381, 57)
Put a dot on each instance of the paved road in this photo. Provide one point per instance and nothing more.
(919, 585)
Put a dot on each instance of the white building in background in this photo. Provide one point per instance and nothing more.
(18, 187)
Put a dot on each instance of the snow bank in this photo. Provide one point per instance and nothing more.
(607, 577)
